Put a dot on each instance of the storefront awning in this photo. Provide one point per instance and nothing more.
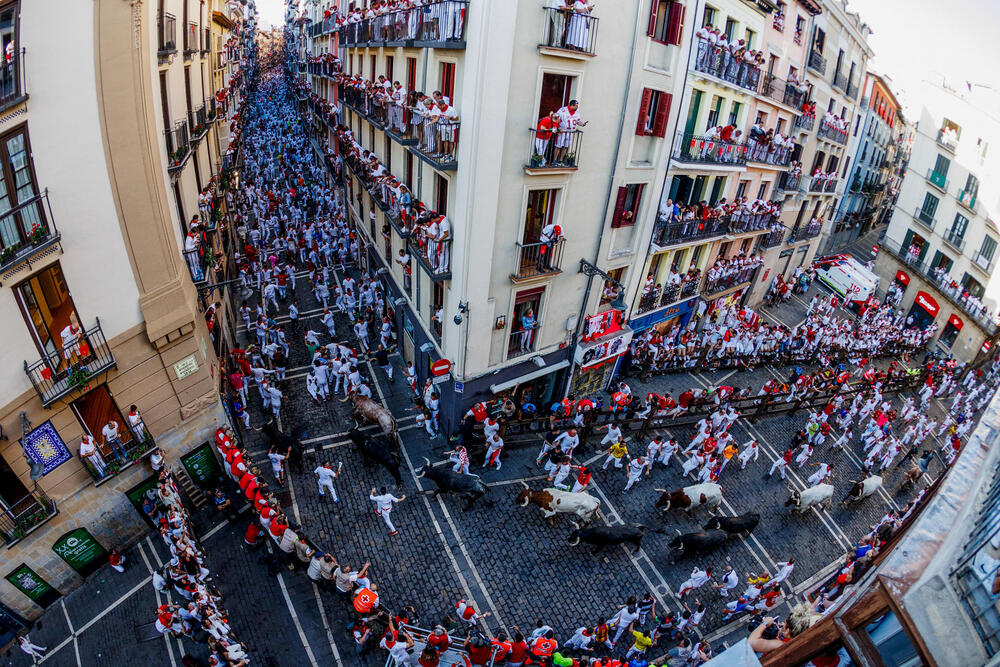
(902, 277)
(927, 302)
(955, 321)
(528, 377)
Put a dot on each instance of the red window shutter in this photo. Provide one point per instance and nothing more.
(675, 23)
(616, 219)
(640, 126)
(651, 29)
(662, 115)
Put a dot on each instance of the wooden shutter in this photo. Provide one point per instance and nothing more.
(616, 219)
(651, 28)
(640, 126)
(675, 23)
(662, 115)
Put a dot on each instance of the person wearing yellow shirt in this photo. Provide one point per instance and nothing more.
(616, 453)
(729, 452)
(639, 645)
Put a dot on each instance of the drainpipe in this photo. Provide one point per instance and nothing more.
(604, 215)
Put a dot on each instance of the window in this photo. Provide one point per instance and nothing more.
(941, 260)
(627, 205)
(970, 191)
(714, 113)
(95, 410)
(387, 153)
(609, 291)
(448, 81)
(666, 21)
(48, 309)
(524, 322)
(654, 111)
(440, 194)
(734, 114)
(972, 286)
(951, 129)
(730, 29)
(891, 641)
(819, 40)
(388, 68)
(929, 207)
(17, 188)
(761, 191)
(989, 248)
(557, 91)
(411, 74)
(437, 309)
(840, 60)
(958, 228)
(941, 165)
(948, 336)
(850, 75)
(408, 171)
(10, 82)
(741, 189)
(371, 72)
(710, 13)
(750, 38)
(540, 211)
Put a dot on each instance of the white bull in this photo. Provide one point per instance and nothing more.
(862, 489)
(814, 496)
(554, 501)
(690, 497)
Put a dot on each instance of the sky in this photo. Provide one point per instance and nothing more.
(272, 12)
(917, 40)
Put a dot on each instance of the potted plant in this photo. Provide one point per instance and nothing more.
(570, 159)
(537, 161)
(38, 233)
(7, 254)
(78, 376)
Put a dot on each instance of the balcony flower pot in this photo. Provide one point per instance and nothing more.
(570, 160)
(536, 161)
(38, 234)
(78, 376)
(7, 255)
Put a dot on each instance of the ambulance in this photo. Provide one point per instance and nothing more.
(847, 277)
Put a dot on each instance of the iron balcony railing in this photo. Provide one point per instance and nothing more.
(438, 143)
(198, 122)
(537, 259)
(805, 122)
(522, 340)
(938, 180)
(925, 218)
(852, 90)
(13, 88)
(780, 90)
(758, 151)
(983, 262)
(434, 256)
(437, 25)
(71, 366)
(660, 297)
(135, 444)
(817, 63)
(741, 222)
(191, 39)
(697, 148)
(788, 182)
(166, 35)
(27, 229)
(807, 231)
(710, 59)
(947, 140)
(178, 145)
(24, 515)
(552, 149)
(956, 241)
(728, 282)
(831, 185)
(840, 80)
(833, 133)
(942, 282)
(569, 30)
(820, 184)
(967, 200)
(684, 231)
(776, 237)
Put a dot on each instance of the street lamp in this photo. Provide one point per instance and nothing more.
(618, 303)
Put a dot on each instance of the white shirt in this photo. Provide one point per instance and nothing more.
(110, 431)
(325, 474)
(384, 503)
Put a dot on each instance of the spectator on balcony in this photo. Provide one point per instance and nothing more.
(569, 120)
(707, 39)
(91, 454)
(397, 101)
(547, 125)
(578, 31)
(550, 235)
(192, 246)
(136, 425)
(113, 440)
(428, 137)
(528, 326)
(70, 336)
(710, 148)
(439, 234)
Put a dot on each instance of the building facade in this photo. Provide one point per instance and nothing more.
(103, 313)
(880, 130)
(512, 303)
(940, 246)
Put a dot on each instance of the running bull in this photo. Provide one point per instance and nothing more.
(690, 497)
(373, 451)
(814, 496)
(741, 525)
(449, 481)
(607, 536)
(862, 489)
(554, 501)
(697, 544)
(367, 410)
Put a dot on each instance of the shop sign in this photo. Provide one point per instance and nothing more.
(80, 551)
(202, 465)
(602, 324)
(955, 321)
(902, 277)
(927, 302)
(669, 313)
(28, 582)
(594, 352)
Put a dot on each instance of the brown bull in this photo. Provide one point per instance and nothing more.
(365, 409)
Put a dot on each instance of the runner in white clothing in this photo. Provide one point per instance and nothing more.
(383, 506)
(324, 479)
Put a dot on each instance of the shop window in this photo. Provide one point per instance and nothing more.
(949, 334)
(524, 322)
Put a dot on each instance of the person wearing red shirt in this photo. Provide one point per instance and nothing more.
(518, 651)
(547, 125)
(278, 526)
(439, 640)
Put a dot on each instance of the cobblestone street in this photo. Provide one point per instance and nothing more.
(509, 560)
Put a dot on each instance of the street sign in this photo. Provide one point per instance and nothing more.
(441, 379)
(80, 551)
(440, 367)
(459, 387)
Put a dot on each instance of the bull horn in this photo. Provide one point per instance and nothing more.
(660, 490)
(427, 461)
(527, 499)
(573, 541)
(525, 485)
(678, 532)
(575, 525)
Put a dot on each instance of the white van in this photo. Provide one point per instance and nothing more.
(847, 277)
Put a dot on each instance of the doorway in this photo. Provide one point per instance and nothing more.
(557, 91)
(49, 311)
(94, 410)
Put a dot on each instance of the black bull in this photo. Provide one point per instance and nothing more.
(697, 544)
(449, 481)
(606, 536)
(378, 452)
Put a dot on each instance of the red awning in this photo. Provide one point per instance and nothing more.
(902, 277)
(955, 321)
(927, 302)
